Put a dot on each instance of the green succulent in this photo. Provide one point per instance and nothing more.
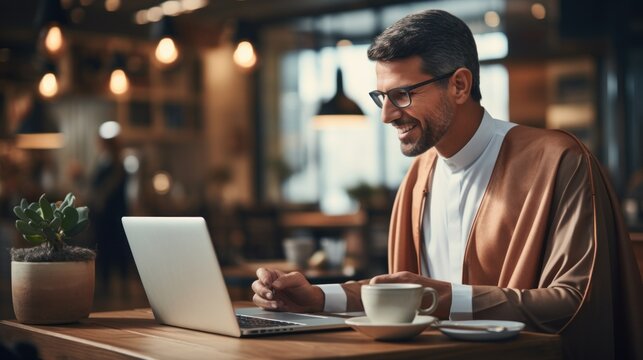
(51, 223)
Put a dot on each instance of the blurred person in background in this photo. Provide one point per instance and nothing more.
(108, 204)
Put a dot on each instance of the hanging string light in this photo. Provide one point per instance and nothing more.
(245, 55)
(166, 50)
(48, 84)
(50, 17)
(118, 81)
(54, 39)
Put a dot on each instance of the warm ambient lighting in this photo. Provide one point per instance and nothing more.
(191, 5)
(493, 45)
(538, 11)
(321, 122)
(112, 5)
(492, 19)
(166, 51)
(162, 183)
(244, 55)
(54, 39)
(40, 141)
(48, 86)
(131, 164)
(171, 8)
(154, 14)
(168, 8)
(109, 129)
(118, 82)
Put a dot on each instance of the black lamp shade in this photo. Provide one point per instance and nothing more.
(340, 104)
(37, 130)
(339, 110)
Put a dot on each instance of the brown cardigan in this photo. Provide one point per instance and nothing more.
(547, 247)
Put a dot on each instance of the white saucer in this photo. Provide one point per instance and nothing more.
(513, 329)
(389, 331)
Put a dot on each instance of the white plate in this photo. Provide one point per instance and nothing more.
(513, 329)
(389, 332)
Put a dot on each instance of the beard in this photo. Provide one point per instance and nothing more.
(436, 123)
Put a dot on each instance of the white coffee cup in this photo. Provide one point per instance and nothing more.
(396, 302)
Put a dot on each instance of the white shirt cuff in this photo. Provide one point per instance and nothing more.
(461, 302)
(335, 297)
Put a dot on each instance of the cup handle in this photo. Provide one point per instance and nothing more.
(434, 304)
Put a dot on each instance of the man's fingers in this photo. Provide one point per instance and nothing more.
(380, 279)
(264, 303)
(290, 280)
(260, 289)
(398, 277)
(266, 276)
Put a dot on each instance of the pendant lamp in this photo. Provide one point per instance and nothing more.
(245, 40)
(118, 81)
(37, 130)
(166, 50)
(340, 110)
(49, 20)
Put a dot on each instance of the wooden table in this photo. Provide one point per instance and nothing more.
(319, 220)
(135, 334)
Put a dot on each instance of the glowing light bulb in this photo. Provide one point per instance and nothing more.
(166, 51)
(244, 55)
(54, 39)
(48, 85)
(118, 82)
(112, 5)
(492, 19)
(109, 129)
(131, 163)
(162, 182)
(538, 11)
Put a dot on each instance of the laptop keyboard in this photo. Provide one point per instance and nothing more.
(248, 322)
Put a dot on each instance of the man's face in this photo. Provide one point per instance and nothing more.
(421, 125)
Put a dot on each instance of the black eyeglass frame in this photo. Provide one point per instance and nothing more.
(375, 94)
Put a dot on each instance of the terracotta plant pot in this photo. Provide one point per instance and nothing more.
(52, 292)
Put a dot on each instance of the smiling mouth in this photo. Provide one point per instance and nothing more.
(405, 128)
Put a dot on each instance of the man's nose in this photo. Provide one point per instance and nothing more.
(389, 111)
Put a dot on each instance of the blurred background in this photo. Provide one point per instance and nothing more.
(232, 110)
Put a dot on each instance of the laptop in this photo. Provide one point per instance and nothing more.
(185, 287)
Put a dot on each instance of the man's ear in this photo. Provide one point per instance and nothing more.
(460, 85)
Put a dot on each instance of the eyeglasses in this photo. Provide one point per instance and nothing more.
(401, 97)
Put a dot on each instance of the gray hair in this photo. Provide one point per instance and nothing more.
(441, 40)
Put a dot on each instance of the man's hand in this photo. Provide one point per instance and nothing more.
(278, 291)
(443, 288)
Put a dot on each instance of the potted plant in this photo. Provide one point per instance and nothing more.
(51, 282)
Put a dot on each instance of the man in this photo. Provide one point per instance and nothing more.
(505, 221)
